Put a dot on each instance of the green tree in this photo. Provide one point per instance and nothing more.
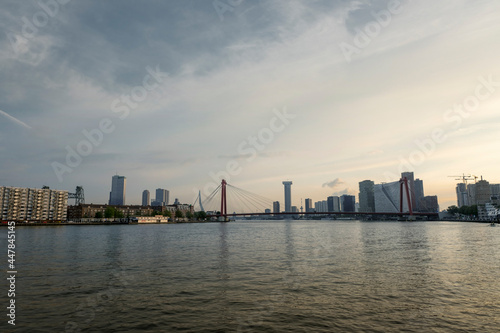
(473, 210)
(200, 215)
(468, 210)
(119, 214)
(99, 215)
(189, 215)
(453, 209)
(109, 212)
(167, 213)
(179, 214)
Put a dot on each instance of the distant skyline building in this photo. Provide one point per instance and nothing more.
(480, 193)
(321, 206)
(483, 192)
(146, 198)
(348, 203)
(118, 189)
(329, 204)
(462, 195)
(495, 189)
(366, 196)
(309, 205)
(419, 194)
(336, 203)
(288, 196)
(318, 207)
(471, 194)
(161, 198)
(431, 204)
(387, 198)
(276, 207)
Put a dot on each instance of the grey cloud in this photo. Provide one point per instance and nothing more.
(334, 183)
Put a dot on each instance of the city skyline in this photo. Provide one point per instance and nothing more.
(118, 185)
(266, 92)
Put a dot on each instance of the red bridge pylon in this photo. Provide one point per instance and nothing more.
(404, 182)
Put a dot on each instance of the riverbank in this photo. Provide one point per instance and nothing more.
(37, 224)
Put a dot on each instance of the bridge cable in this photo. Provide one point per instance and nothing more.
(259, 204)
(258, 198)
(242, 200)
(210, 198)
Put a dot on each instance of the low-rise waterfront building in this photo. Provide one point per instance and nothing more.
(150, 219)
(31, 204)
(90, 210)
(487, 212)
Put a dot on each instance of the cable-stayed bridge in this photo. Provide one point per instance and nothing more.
(230, 201)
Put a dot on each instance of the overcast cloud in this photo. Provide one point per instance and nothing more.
(219, 82)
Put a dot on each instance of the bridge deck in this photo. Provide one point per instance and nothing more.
(330, 213)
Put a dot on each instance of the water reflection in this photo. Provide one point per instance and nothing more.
(223, 276)
(263, 276)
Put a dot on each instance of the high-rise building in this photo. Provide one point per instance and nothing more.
(387, 198)
(118, 189)
(471, 194)
(276, 207)
(28, 204)
(309, 205)
(329, 204)
(419, 193)
(146, 198)
(495, 189)
(162, 197)
(366, 196)
(462, 195)
(336, 203)
(321, 206)
(348, 203)
(483, 192)
(288, 196)
(430, 204)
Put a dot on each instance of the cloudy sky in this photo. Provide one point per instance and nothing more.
(173, 94)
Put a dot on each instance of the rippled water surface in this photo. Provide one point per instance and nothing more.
(259, 276)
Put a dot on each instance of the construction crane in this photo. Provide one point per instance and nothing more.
(79, 196)
(464, 178)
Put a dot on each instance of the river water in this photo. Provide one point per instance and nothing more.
(257, 276)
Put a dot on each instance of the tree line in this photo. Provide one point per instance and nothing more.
(464, 210)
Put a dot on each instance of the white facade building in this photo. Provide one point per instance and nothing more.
(387, 198)
(28, 204)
